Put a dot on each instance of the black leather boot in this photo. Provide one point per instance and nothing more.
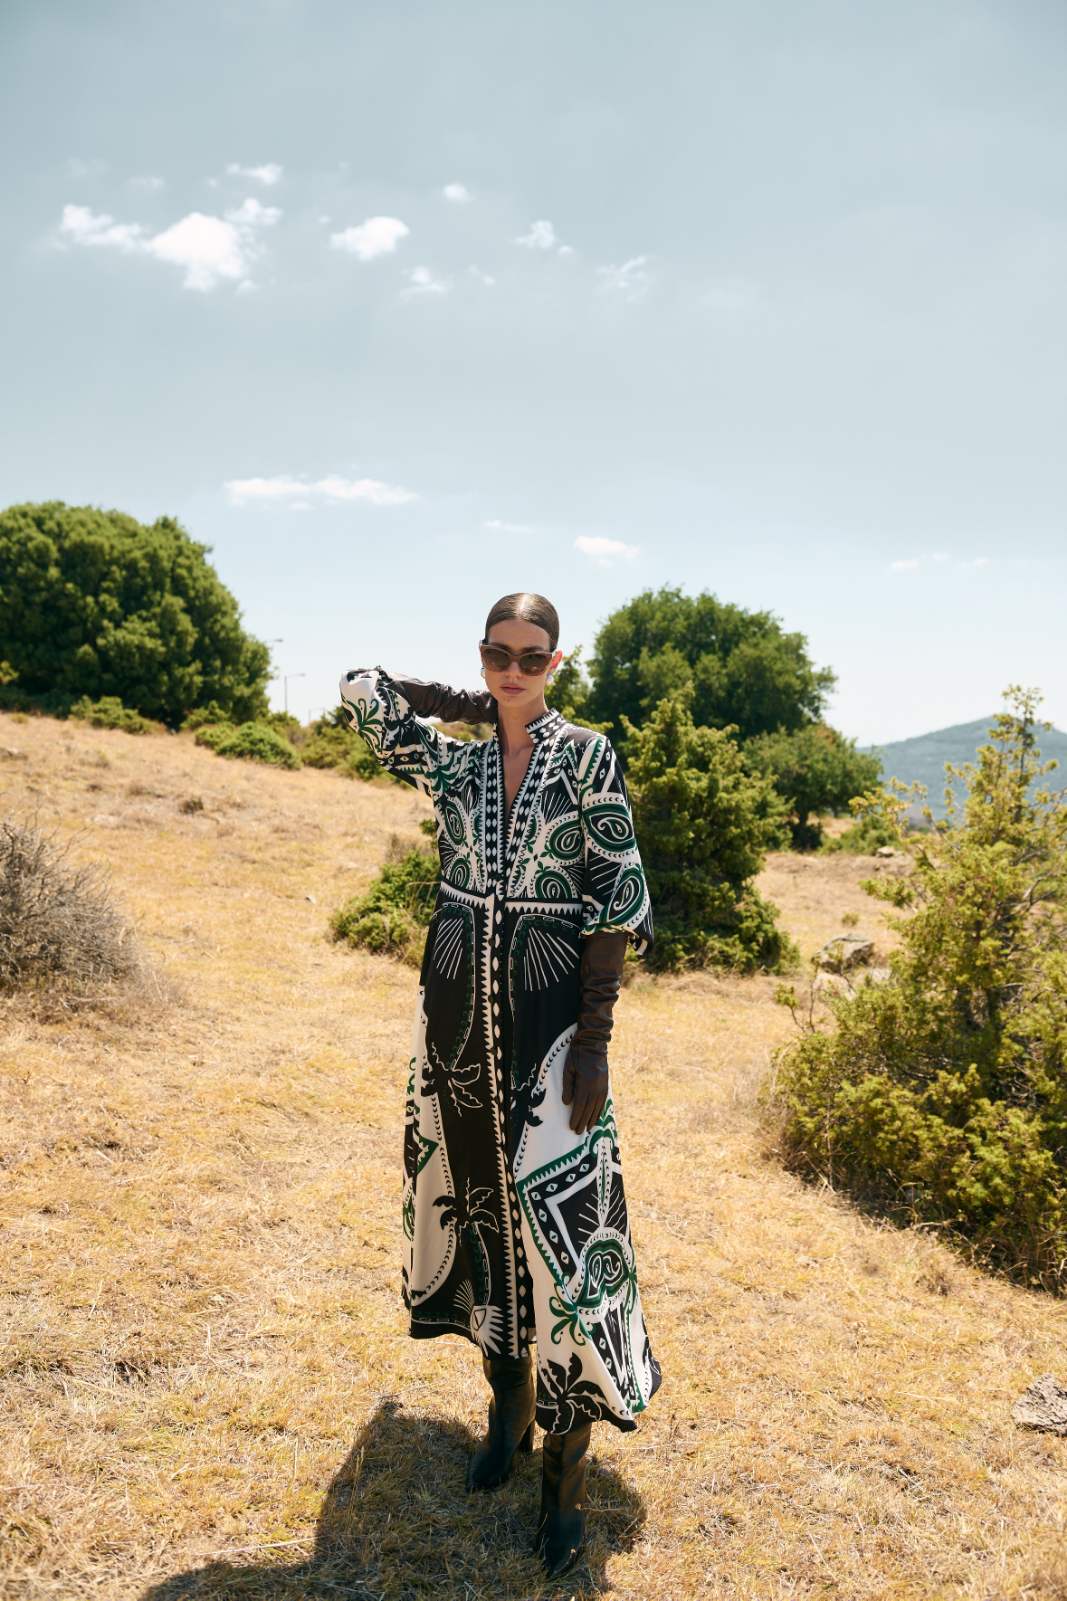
(561, 1524)
(511, 1420)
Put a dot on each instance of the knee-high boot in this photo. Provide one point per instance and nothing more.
(511, 1420)
(561, 1525)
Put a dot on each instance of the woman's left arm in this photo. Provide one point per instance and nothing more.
(614, 892)
(616, 912)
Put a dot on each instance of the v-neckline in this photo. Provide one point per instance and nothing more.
(509, 811)
(541, 729)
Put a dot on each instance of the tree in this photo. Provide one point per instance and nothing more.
(814, 769)
(704, 824)
(569, 691)
(741, 667)
(941, 1094)
(94, 603)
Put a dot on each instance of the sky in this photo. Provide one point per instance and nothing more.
(402, 307)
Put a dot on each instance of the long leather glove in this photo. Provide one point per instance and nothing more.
(585, 1072)
(429, 698)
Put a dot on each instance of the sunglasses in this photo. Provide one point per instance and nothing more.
(531, 662)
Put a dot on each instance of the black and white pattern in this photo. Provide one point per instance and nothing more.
(517, 1229)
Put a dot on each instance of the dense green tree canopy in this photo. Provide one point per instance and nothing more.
(94, 603)
(742, 667)
(815, 769)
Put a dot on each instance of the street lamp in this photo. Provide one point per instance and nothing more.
(285, 687)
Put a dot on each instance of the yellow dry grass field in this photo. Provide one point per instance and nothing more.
(208, 1388)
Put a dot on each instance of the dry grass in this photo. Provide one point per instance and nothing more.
(207, 1387)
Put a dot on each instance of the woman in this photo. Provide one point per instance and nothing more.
(513, 1207)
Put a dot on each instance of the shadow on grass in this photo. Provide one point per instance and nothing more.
(397, 1523)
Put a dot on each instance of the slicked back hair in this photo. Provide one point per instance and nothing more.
(527, 608)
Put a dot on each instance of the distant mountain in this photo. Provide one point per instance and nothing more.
(924, 758)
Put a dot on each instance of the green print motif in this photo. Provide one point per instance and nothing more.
(516, 1228)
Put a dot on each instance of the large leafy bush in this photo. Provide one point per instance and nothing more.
(941, 1095)
(94, 603)
(704, 823)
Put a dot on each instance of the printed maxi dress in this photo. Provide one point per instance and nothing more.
(517, 1228)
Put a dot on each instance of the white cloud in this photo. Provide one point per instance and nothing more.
(377, 236)
(268, 174)
(605, 551)
(332, 489)
(630, 280)
(482, 277)
(458, 193)
(542, 236)
(251, 214)
(421, 281)
(148, 185)
(503, 527)
(211, 250)
(914, 564)
(86, 227)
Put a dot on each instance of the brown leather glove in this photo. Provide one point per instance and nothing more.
(428, 698)
(585, 1072)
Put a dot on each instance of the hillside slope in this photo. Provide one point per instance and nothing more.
(924, 756)
(207, 1388)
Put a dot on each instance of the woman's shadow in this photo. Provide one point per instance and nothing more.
(398, 1522)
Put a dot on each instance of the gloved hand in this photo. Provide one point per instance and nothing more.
(585, 1072)
(428, 698)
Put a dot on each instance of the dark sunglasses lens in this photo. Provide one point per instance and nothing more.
(530, 662)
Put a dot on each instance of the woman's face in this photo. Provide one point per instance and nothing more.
(508, 685)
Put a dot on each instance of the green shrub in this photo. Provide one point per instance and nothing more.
(865, 837)
(284, 723)
(211, 713)
(109, 712)
(704, 824)
(330, 744)
(392, 917)
(940, 1095)
(255, 741)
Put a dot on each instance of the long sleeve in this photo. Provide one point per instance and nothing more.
(383, 707)
(615, 892)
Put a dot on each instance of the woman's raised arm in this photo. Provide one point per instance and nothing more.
(385, 709)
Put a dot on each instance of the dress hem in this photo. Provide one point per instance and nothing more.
(625, 1425)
